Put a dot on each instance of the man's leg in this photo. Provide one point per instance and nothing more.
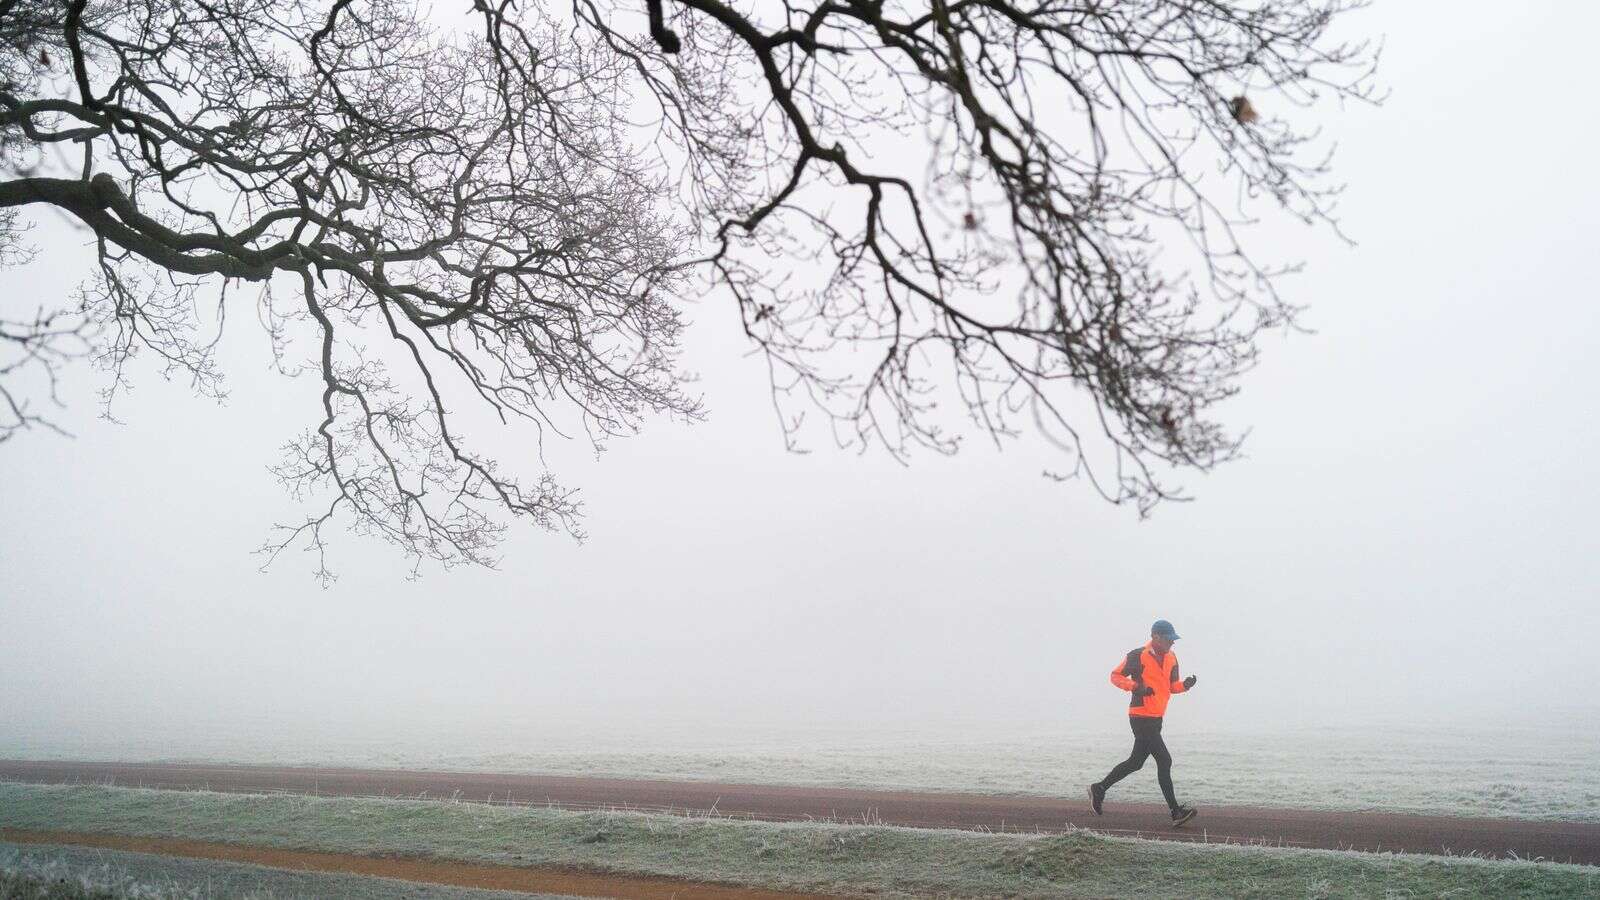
(1158, 749)
(1135, 760)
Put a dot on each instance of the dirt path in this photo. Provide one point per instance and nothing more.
(1558, 841)
(455, 874)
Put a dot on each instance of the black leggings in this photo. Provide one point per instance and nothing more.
(1147, 742)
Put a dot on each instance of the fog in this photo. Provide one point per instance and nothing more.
(1411, 536)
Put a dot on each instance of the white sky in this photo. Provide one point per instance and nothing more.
(1413, 532)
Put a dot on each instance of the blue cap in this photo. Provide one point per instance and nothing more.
(1163, 628)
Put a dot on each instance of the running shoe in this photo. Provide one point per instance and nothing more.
(1097, 795)
(1182, 815)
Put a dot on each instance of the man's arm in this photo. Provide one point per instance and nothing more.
(1119, 677)
(1179, 685)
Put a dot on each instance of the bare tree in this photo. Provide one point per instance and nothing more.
(1037, 209)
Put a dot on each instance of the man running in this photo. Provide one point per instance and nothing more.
(1151, 674)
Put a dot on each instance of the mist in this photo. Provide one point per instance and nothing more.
(1411, 536)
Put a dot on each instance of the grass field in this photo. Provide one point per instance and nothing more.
(805, 856)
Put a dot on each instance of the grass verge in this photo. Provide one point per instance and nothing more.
(43, 872)
(827, 858)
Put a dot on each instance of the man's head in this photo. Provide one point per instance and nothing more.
(1162, 634)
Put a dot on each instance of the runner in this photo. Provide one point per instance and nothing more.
(1151, 674)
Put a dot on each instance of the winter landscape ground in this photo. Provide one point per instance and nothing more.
(1505, 772)
(826, 859)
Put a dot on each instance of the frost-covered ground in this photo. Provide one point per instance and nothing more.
(29, 870)
(1545, 771)
(810, 856)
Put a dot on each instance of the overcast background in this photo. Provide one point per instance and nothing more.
(1412, 536)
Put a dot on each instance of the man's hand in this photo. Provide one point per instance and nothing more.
(1143, 691)
(1189, 682)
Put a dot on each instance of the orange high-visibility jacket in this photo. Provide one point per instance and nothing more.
(1160, 675)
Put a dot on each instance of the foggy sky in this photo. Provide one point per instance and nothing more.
(1413, 533)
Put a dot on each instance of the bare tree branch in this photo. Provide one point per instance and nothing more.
(432, 230)
(1077, 230)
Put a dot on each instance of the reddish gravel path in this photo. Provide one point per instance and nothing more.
(1559, 841)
